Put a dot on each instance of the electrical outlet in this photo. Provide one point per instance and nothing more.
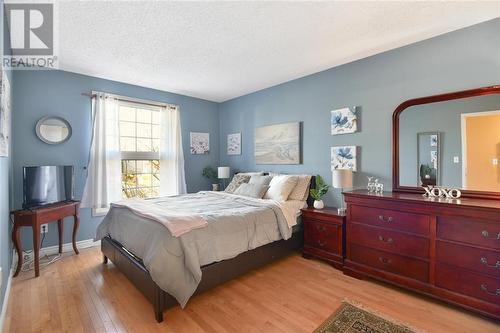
(44, 228)
(456, 159)
(495, 161)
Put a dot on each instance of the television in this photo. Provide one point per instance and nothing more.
(44, 185)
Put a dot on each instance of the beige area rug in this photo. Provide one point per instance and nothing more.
(350, 318)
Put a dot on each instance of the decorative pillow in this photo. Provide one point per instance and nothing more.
(281, 187)
(301, 191)
(237, 180)
(252, 190)
(263, 180)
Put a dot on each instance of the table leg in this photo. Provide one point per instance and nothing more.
(60, 228)
(36, 248)
(75, 229)
(16, 239)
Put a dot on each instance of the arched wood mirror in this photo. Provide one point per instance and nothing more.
(450, 140)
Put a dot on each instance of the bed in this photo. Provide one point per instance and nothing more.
(177, 270)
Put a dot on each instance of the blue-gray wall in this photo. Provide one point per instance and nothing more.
(41, 93)
(5, 228)
(459, 60)
(463, 59)
(5, 198)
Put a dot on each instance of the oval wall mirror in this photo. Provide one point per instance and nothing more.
(53, 130)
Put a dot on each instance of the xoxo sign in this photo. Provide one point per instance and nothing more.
(441, 192)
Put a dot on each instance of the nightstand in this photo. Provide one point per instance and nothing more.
(324, 231)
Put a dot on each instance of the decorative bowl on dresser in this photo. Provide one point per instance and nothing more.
(323, 235)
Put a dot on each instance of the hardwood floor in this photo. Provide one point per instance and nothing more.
(80, 294)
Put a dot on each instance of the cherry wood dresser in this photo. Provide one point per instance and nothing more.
(449, 249)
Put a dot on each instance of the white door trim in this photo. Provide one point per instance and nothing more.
(463, 118)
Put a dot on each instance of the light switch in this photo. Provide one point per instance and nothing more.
(456, 159)
(495, 161)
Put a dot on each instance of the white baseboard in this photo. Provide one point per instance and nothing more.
(51, 250)
(6, 300)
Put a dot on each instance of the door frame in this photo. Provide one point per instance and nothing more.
(463, 134)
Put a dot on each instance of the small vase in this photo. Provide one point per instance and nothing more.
(318, 204)
(215, 187)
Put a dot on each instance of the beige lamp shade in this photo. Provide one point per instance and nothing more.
(342, 178)
(223, 172)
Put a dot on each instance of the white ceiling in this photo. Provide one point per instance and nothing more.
(222, 50)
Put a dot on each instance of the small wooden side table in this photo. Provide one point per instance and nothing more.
(34, 218)
(324, 231)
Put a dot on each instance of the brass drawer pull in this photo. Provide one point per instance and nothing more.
(320, 228)
(485, 262)
(383, 219)
(321, 244)
(485, 289)
(385, 261)
(382, 239)
(486, 234)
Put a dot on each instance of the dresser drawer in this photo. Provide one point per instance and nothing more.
(388, 240)
(480, 233)
(392, 219)
(412, 268)
(465, 282)
(323, 236)
(473, 258)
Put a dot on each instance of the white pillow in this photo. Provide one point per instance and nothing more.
(301, 191)
(259, 173)
(252, 190)
(263, 180)
(280, 187)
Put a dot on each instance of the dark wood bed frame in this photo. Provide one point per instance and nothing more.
(212, 275)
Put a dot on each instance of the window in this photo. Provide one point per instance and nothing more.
(140, 147)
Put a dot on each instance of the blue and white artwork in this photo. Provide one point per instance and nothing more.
(344, 121)
(434, 159)
(343, 157)
(434, 140)
(5, 112)
(278, 144)
(234, 144)
(200, 143)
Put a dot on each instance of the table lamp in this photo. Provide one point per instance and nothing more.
(223, 173)
(342, 178)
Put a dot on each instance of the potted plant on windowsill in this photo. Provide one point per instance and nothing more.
(318, 192)
(211, 174)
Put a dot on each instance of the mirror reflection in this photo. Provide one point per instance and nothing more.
(451, 143)
(53, 130)
(428, 158)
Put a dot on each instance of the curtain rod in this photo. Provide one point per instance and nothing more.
(132, 99)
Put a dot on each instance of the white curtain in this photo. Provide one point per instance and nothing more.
(103, 184)
(172, 177)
